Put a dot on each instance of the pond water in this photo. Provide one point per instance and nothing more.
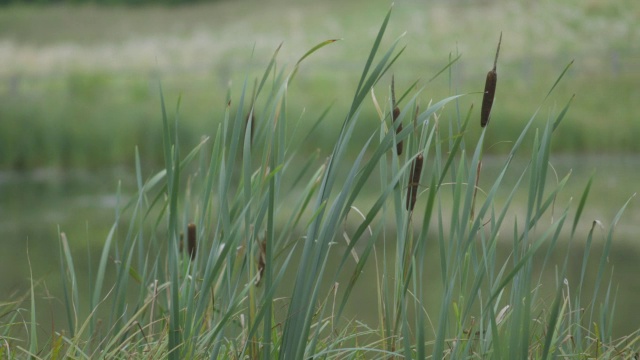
(34, 205)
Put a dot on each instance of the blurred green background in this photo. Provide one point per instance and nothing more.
(79, 82)
(79, 91)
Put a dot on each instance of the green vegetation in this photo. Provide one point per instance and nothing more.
(77, 82)
(225, 252)
(103, 2)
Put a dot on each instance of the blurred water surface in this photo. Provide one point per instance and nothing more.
(34, 205)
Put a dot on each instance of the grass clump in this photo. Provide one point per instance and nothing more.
(265, 275)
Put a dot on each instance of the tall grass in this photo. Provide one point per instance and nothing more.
(267, 277)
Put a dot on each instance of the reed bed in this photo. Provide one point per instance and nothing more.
(266, 273)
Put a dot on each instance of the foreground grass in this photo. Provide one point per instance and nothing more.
(74, 76)
(200, 269)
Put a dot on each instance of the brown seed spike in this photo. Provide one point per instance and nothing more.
(262, 260)
(396, 114)
(417, 171)
(191, 240)
(487, 99)
(489, 90)
(414, 181)
(393, 92)
(399, 145)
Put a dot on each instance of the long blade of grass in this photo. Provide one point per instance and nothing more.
(581, 205)
(307, 54)
(70, 303)
(33, 323)
(605, 253)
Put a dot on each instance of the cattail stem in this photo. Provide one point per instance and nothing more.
(475, 190)
(495, 61)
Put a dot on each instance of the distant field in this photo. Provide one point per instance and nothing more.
(78, 85)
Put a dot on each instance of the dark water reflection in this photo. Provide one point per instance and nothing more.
(82, 204)
(34, 205)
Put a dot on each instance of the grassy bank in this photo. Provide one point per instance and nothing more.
(78, 83)
(246, 247)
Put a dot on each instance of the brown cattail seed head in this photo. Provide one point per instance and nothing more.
(395, 115)
(489, 90)
(487, 99)
(414, 181)
(262, 260)
(399, 145)
(191, 240)
(393, 91)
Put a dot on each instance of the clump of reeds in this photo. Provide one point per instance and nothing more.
(414, 181)
(489, 90)
(396, 114)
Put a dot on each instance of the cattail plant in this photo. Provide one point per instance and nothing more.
(489, 90)
(414, 181)
(396, 114)
(191, 240)
(262, 260)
